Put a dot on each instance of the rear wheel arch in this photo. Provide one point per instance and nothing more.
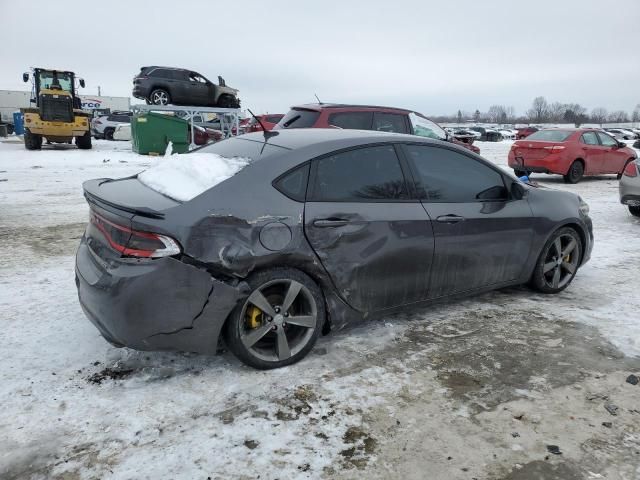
(581, 160)
(314, 276)
(256, 281)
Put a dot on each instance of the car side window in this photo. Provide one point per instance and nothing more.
(606, 140)
(158, 72)
(274, 118)
(294, 183)
(194, 77)
(589, 138)
(390, 122)
(351, 120)
(364, 174)
(447, 176)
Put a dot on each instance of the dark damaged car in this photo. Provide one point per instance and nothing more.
(318, 229)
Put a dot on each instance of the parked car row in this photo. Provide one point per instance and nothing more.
(624, 133)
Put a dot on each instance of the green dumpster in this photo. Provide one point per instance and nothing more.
(151, 133)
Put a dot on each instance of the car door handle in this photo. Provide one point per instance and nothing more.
(450, 219)
(330, 222)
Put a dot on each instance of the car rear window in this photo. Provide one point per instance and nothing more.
(351, 120)
(550, 135)
(274, 118)
(299, 118)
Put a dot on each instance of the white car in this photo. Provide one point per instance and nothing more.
(507, 134)
(105, 125)
(122, 132)
(621, 133)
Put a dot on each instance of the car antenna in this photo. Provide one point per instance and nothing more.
(265, 132)
(319, 101)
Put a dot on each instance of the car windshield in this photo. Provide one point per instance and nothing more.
(550, 135)
(64, 80)
(298, 118)
(424, 127)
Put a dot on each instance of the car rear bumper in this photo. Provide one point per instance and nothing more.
(140, 92)
(160, 304)
(549, 164)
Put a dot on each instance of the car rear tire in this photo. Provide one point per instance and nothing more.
(32, 141)
(575, 173)
(84, 142)
(558, 262)
(279, 322)
(634, 210)
(108, 133)
(160, 97)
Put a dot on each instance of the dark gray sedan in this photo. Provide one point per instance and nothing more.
(320, 228)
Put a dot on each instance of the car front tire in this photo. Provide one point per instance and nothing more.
(558, 262)
(84, 142)
(279, 322)
(32, 141)
(634, 210)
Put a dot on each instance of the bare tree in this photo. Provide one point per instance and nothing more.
(599, 115)
(619, 116)
(575, 114)
(636, 114)
(539, 111)
(510, 114)
(557, 111)
(496, 113)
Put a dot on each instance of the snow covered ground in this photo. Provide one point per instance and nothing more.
(477, 388)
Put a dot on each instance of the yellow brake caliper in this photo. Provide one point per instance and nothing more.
(254, 317)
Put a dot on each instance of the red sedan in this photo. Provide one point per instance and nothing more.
(269, 121)
(572, 153)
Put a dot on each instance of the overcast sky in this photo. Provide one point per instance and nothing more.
(434, 57)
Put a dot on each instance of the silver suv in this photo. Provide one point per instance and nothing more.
(104, 126)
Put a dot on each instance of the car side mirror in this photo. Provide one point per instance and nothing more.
(82, 82)
(25, 77)
(621, 145)
(518, 192)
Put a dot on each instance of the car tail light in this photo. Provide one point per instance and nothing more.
(554, 148)
(631, 170)
(133, 243)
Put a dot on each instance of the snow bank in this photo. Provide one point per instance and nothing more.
(183, 177)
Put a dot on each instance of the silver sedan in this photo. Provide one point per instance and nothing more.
(630, 187)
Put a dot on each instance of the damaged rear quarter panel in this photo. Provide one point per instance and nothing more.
(226, 231)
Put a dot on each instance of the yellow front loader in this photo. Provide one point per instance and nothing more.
(57, 116)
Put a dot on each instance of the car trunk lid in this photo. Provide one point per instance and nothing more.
(534, 150)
